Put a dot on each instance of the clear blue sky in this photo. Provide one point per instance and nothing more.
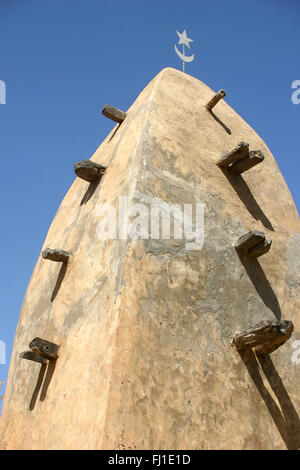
(62, 60)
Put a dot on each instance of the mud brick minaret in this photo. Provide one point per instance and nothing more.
(144, 344)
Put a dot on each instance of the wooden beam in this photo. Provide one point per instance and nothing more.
(32, 356)
(253, 158)
(215, 99)
(44, 348)
(249, 240)
(264, 337)
(253, 244)
(260, 249)
(88, 170)
(113, 113)
(239, 152)
(240, 159)
(58, 255)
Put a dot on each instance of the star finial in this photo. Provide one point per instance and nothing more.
(183, 39)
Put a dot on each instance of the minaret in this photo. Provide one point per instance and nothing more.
(144, 343)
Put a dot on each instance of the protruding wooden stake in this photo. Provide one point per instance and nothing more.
(239, 152)
(264, 337)
(253, 158)
(240, 159)
(57, 255)
(253, 244)
(44, 348)
(260, 249)
(215, 99)
(32, 356)
(88, 170)
(113, 113)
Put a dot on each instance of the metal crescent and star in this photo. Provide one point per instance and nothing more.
(185, 41)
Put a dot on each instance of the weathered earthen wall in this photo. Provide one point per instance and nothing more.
(145, 326)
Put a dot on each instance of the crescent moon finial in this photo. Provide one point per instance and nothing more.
(185, 41)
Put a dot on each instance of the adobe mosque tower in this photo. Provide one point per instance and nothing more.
(159, 342)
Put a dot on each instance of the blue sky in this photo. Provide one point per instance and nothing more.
(63, 60)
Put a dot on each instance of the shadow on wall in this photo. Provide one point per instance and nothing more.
(286, 419)
(60, 278)
(115, 131)
(242, 189)
(89, 192)
(261, 284)
(43, 382)
(219, 121)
